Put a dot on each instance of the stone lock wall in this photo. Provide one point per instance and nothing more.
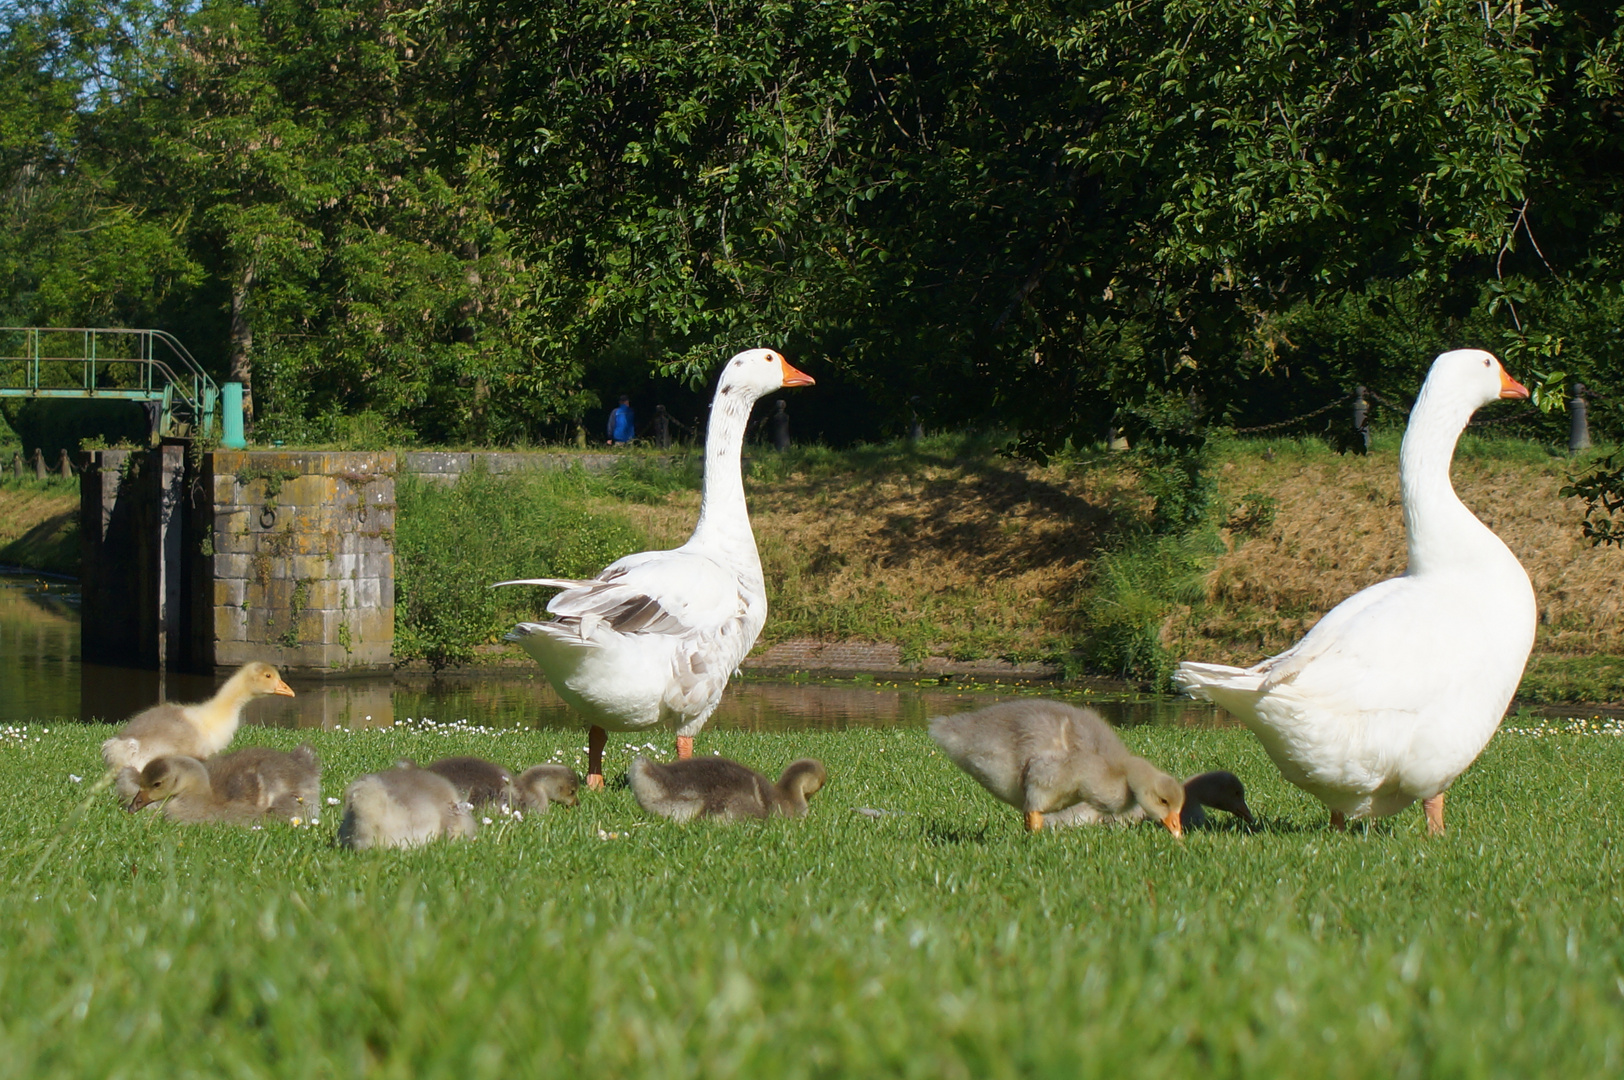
(300, 559)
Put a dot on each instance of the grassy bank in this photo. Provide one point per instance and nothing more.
(951, 548)
(937, 941)
(39, 523)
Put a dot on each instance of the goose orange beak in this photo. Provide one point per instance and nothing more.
(1511, 388)
(1174, 825)
(282, 688)
(794, 376)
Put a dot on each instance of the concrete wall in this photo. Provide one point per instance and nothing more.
(447, 465)
(302, 559)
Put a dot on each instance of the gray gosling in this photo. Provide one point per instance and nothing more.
(539, 786)
(402, 808)
(243, 788)
(1043, 756)
(714, 787)
(198, 731)
(478, 781)
(1218, 790)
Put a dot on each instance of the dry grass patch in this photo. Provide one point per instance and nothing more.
(1339, 528)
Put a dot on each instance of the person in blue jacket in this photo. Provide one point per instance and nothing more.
(622, 424)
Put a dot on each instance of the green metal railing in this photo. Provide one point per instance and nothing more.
(109, 364)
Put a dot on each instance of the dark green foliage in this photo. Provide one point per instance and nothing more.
(54, 426)
(1602, 489)
(453, 540)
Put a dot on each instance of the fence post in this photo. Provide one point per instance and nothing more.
(39, 464)
(780, 425)
(63, 466)
(916, 430)
(17, 464)
(1361, 429)
(1579, 430)
(662, 428)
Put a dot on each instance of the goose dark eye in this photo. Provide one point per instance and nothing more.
(1485, 363)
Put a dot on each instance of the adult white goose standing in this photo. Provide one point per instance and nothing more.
(1394, 693)
(654, 638)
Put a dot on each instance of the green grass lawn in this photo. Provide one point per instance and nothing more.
(937, 941)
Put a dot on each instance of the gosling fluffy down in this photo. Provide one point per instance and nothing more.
(714, 787)
(539, 786)
(478, 781)
(199, 731)
(1045, 756)
(1218, 790)
(402, 808)
(243, 788)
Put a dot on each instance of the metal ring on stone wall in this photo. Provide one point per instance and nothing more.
(361, 514)
(267, 517)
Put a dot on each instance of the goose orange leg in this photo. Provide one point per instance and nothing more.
(1034, 821)
(685, 747)
(596, 739)
(1435, 814)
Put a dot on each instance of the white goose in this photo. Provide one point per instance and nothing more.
(1398, 688)
(654, 638)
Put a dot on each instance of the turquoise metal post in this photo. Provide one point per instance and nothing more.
(231, 406)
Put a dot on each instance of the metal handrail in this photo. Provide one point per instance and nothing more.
(190, 387)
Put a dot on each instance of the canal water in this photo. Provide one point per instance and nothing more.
(42, 678)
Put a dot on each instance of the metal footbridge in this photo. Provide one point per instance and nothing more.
(149, 367)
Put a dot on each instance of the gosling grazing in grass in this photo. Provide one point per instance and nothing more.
(477, 781)
(401, 808)
(714, 787)
(240, 789)
(1043, 756)
(198, 731)
(1219, 790)
(539, 786)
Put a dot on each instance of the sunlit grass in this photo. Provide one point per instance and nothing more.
(936, 940)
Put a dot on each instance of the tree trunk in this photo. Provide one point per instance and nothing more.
(240, 344)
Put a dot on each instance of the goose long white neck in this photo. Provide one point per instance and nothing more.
(1443, 535)
(724, 518)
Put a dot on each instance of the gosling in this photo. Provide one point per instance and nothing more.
(243, 788)
(539, 786)
(197, 731)
(1044, 756)
(714, 787)
(401, 808)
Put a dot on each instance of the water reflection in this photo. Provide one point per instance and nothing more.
(42, 678)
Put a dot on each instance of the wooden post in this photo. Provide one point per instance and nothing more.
(1361, 429)
(662, 428)
(64, 467)
(1579, 429)
(39, 464)
(17, 464)
(780, 426)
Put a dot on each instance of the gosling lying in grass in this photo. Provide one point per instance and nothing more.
(482, 782)
(539, 786)
(714, 787)
(401, 808)
(243, 788)
(1043, 756)
(1218, 790)
(198, 731)
(478, 781)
